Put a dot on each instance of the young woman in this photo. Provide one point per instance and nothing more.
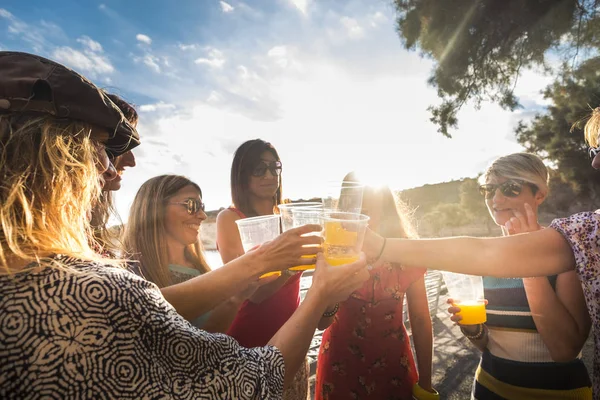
(76, 324)
(366, 352)
(163, 235)
(568, 244)
(527, 351)
(256, 190)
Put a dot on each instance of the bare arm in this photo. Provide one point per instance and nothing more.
(539, 253)
(203, 293)
(420, 323)
(230, 248)
(560, 317)
(222, 316)
(329, 284)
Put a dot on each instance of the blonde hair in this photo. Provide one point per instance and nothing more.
(592, 128)
(520, 166)
(396, 217)
(145, 236)
(49, 181)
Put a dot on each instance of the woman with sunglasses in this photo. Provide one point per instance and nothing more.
(166, 213)
(536, 327)
(568, 244)
(256, 190)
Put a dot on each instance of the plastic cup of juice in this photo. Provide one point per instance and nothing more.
(305, 216)
(346, 196)
(258, 230)
(343, 236)
(467, 293)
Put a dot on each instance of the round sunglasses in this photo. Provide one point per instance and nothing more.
(193, 206)
(510, 188)
(274, 167)
(593, 152)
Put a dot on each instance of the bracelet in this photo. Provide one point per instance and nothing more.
(476, 336)
(421, 394)
(380, 251)
(329, 314)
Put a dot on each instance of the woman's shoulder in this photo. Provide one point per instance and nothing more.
(229, 215)
(589, 219)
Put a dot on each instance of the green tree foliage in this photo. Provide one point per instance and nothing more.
(481, 46)
(549, 134)
(449, 215)
(473, 203)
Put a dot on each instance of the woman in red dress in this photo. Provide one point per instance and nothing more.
(256, 190)
(366, 353)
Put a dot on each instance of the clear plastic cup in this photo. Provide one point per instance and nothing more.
(258, 230)
(286, 212)
(467, 293)
(346, 196)
(343, 236)
(305, 216)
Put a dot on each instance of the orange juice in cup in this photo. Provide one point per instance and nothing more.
(343, 236)
(472, 312)
(467, 293)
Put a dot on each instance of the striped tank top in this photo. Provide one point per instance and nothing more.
(516, 363)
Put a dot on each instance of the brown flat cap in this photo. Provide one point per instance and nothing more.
(30, 83)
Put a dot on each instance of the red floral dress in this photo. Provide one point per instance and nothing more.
(366, 353)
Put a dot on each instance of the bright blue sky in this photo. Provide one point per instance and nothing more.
(327, 82)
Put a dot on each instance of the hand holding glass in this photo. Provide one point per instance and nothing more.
(467, 293)
(258, 230)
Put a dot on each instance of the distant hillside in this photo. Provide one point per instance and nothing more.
(424, 198)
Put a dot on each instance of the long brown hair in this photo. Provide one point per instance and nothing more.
(246, 158)
(145, 236)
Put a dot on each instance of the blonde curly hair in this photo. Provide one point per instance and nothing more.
(49, 181)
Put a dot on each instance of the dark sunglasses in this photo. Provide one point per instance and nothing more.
(261, 169)
(193, 206)
(593, 152)
(508, 189)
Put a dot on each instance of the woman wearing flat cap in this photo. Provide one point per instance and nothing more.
(76, 325)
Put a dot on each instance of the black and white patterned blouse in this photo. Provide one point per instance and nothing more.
(104, 333)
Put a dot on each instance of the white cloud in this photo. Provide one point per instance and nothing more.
(353, 29)
(143, 38)
(87, 61)
(214, 59)
(226, 7)
(156, 107)
(5, 14)
(377, 18)
(90, 44)
(186, 47)
(31, 34)
(152, 62)
(301, 5)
